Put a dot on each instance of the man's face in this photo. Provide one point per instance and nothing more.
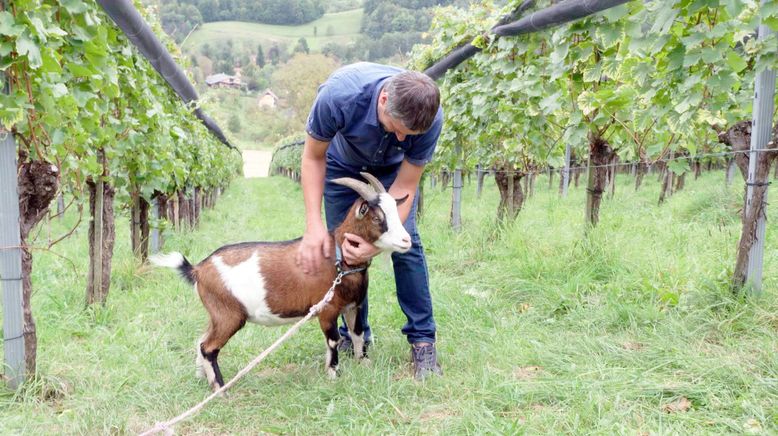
(391, 124)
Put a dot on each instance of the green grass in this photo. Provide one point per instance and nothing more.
(344, 27)
(541, 331)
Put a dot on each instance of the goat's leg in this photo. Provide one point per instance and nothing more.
(199, 359)
(220, 331)
(329, 326)
(357, 332)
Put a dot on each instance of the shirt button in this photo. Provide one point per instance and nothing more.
(364, 168)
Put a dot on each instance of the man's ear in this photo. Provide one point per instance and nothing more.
(362, 210)
(401, 200)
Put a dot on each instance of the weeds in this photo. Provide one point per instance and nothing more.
(630, 330)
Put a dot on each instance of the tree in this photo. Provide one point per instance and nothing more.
(302, 46)
(234, 123)
(260, 56)
(179, 19)
(206, 50)
(298, 80)
(225, 67)
(274, 54)
(253, 78)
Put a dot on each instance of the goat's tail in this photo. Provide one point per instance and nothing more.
(177, 261)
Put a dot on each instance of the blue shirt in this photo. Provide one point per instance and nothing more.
(345, 114)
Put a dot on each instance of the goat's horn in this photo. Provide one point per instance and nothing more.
(362, 188)
(375, 183)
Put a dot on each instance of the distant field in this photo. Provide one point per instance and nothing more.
(334, 27)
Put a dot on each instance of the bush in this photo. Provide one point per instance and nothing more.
(234, 123)
(287, 155)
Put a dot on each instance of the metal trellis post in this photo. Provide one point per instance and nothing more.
(456, 204)
(760, 136)
(155, 230)
(11, 263)
(566, 171)
(456, 207)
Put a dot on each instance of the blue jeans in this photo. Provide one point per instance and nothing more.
(410, 269)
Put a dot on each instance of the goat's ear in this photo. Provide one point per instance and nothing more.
(401, 200)
(362, 210)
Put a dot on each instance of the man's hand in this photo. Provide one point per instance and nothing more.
(313, 249)
(356, 250)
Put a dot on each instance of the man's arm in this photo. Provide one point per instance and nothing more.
(316, 240)
(358, 250)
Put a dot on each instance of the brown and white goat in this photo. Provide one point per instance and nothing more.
(259, 282)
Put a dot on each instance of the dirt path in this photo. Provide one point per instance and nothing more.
(256, 163)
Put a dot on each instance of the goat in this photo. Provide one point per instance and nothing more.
(259, 282)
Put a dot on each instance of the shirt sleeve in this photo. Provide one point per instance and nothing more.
(424, 146)
(325, 118)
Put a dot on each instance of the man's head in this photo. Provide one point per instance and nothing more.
(408, 104)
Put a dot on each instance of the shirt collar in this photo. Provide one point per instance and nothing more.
(372, 113)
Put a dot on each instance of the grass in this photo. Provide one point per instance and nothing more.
(339, 27)
(541, 331)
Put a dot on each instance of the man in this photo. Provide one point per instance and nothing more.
(386, 121)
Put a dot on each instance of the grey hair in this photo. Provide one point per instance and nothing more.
(413, 99)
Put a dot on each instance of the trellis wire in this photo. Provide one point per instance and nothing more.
(652, 162)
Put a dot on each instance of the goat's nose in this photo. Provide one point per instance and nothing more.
(406, 241)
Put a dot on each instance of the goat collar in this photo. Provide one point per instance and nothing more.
(340, 263)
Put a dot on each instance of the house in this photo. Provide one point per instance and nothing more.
(268, 99)
(222, 80)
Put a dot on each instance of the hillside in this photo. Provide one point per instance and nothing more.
(339, 27)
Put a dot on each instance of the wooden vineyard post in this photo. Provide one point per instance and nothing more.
(750, 255)
(11, 264)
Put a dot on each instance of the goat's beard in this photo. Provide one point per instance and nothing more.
(385, 261)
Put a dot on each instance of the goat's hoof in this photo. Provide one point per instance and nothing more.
(365, 361)
(332, 373)
(215, 386)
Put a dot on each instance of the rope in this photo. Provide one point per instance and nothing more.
(315, 309)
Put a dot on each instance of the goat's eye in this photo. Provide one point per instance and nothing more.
(376, 220)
